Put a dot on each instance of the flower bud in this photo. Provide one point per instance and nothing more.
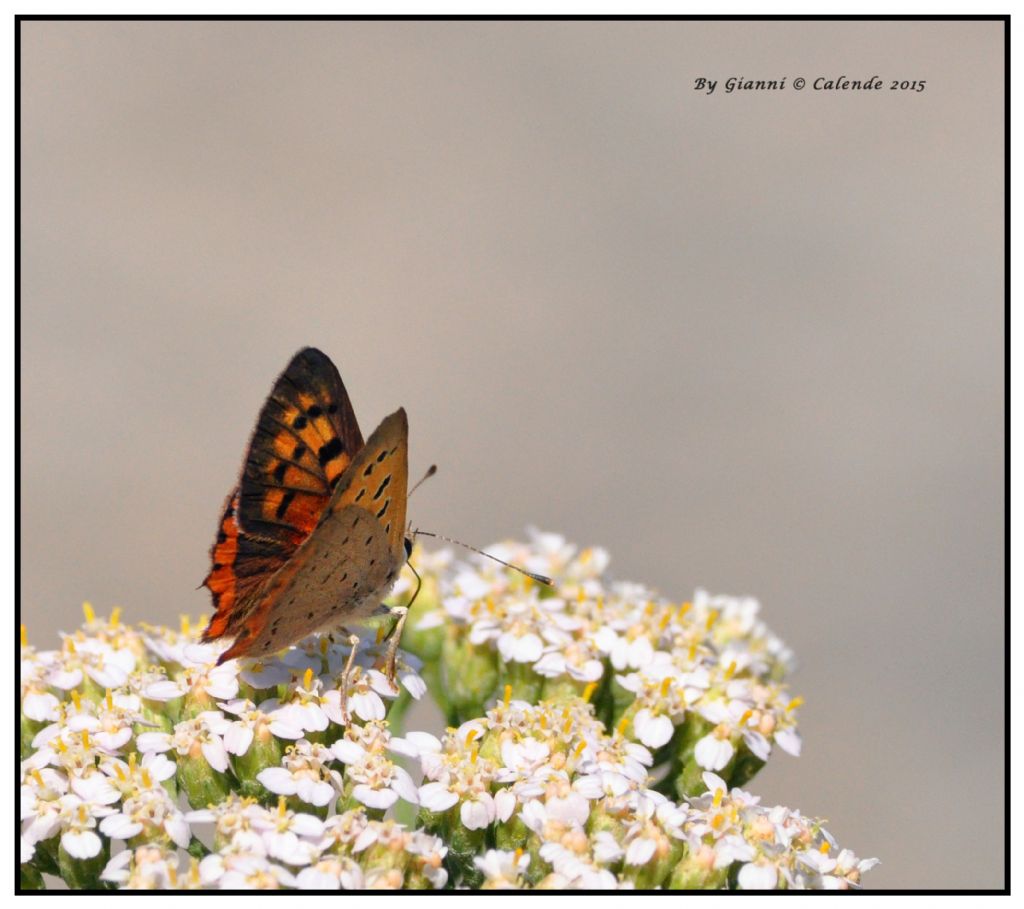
(155, 718)
(415, 878)
(512, 834)
(526, 684)
(264, 751)
(697, 871)
(201, 784)
(196, 702)
(653, 872)
(383, 858)
(562, 689)
(608, 815)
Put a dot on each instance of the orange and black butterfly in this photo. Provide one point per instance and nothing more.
(314, 533)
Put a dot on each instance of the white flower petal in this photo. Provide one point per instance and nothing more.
(474, 815)
(789, 741)
(178, 830)
(347, 751)
(278, 780)
(375, 798)
(238, 739)
(316, 793)
(367, 706)
(437, 797)
(81, 844)
(504, 804)
(153, 741)
(284, 730)
(654, 730)
(414, 685)
(163, 690)
(402, 783)
(712, 753)
(119, 827)
(759, 746)
(216, 756)
(639, 852)
(307, 825)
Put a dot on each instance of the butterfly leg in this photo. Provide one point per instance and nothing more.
(396, 639)
(353, 639)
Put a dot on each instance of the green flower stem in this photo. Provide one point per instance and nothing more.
(29, 730)
(743, 767)
(463, 846)
(470, 673)
(45, 858)
(688, 776)
(83, 874)
(513, 834)
(29, 878)
(621, 699)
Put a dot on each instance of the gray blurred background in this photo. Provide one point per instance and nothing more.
(752, 342)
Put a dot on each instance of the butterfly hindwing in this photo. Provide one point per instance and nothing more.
(350, 560)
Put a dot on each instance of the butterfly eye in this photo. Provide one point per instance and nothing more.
(408, 547)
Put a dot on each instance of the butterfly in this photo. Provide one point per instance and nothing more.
(313, 535)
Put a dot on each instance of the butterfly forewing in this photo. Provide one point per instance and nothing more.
(350, 560)
(305, 436)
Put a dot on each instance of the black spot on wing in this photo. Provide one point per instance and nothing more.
(382, 487)
(330, 451)
(286, 500)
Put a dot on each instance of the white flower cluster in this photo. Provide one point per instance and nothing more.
(658, 663)
(575, 807)
(599, 736)
(119, 722)
(258, 848)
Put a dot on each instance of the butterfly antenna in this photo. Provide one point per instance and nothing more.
(431, 470)
(539, 578)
